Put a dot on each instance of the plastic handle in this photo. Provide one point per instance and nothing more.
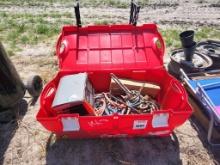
(180, 90)
(47, 93)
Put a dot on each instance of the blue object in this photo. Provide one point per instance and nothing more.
(207, 91)
(211, 87)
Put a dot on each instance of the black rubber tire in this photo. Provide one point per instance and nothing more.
(215, 56)
(34, 85)
(174, 66)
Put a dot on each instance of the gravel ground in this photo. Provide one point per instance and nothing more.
(25, 141)
(169, 12)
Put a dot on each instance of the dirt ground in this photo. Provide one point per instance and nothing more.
(25, 141)
(165, 13)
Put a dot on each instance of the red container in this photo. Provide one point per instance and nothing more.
(131, 52)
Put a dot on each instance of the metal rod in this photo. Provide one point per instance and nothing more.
(131, 11)
(123, 87)
(77, 14)
(134, 12)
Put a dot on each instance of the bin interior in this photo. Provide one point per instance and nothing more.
(170, 89)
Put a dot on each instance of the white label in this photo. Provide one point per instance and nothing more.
(160, 120)
(70, 124)
(140, 124)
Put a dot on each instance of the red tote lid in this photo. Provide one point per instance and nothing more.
(114, 47)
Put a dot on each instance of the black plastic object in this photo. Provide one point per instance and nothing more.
(189, 51)
(188, 44)
(199, 63)
(77, 14)
(12, 89)
(211, 48)
(187, 38)
(34, 85)
(134, 12)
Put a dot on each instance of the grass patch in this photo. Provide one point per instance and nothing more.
(24, 39)
(84, 3)
(12, 35)
(42, 29)
(103, 22)
(112, 3)
(18, 29)
(171, 36)
(207, 32)
(21, 29)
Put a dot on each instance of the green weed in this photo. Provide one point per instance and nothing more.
(171, 36)
(17, 29)
(102, 22)
(42, 29)
(21, 28)
(24, 39)
(85, 3)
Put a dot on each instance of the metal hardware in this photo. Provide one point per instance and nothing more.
(100, 108)
(77, 14)
(130, 103)
(122, 86)
(134, 12)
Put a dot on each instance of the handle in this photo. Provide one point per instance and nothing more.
(181, 91)
(77, 14)
(47, 93)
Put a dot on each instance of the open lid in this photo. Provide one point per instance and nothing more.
(110, 47)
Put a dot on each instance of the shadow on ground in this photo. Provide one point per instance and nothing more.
(7, 130)
(151, 150)
(198, 121)
(202, 134)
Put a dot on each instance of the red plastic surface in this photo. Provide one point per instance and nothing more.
(113, 47)
(129, 52)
